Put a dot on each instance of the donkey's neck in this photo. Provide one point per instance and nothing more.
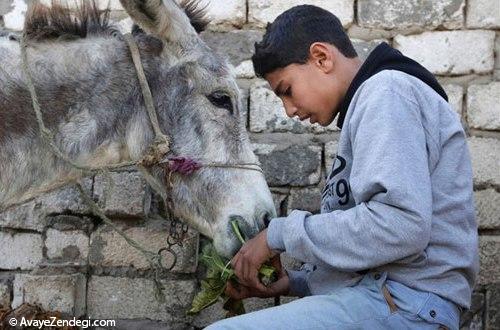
(90, 101)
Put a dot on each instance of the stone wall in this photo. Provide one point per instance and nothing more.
(54, 254)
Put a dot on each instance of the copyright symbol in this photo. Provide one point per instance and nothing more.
(13, 322)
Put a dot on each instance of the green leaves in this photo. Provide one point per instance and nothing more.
(211, 290)
(213, 286)
(219, 273)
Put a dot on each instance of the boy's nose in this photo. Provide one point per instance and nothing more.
(290, 110)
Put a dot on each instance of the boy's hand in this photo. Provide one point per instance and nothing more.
(246, 263)
(279, 288)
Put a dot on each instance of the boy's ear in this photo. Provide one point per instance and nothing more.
(321, 55)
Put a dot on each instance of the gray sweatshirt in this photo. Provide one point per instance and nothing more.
(399, 198)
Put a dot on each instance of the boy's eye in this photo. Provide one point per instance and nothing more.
(288, 91)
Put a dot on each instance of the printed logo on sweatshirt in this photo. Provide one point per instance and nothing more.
(337, 193)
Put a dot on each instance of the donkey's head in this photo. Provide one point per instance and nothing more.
(199, 108)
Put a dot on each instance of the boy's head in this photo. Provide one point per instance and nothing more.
(309, 61)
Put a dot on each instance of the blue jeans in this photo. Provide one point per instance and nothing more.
(362, 306)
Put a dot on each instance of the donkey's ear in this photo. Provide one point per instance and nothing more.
(163, 18)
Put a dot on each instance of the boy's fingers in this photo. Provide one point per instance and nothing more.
(241, 292)
(237, 267)
(276, 263)
(231, 291)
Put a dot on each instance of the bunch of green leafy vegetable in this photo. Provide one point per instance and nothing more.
(218, 274)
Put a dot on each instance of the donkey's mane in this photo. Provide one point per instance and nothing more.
(86, 19)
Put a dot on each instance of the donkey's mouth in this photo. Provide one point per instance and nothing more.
(247, 231)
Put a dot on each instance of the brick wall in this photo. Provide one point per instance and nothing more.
(74, 264)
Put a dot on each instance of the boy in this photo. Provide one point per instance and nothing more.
(395, 245)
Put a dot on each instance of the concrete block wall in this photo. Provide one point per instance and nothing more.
(53, 253)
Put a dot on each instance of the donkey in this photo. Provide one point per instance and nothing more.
(89, 94)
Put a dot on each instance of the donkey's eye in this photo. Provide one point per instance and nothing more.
(221, 100)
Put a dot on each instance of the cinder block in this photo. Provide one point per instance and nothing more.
(109, 249)
(237, 45)
(123, 194)
(134, 298)
(483, 14)
(67, 246)
(261, 12)
(20, 251)
(483, 106)
(228, 12)
(489, 259)
(485, 154)
(493, 307)
(450, 52)
(294, 165)
(307, 199)
(487, 208)
(455, 96)
(32, 214)
(401, 14)
(62, 293)
(330, 154)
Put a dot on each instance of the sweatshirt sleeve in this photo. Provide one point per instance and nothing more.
(390, 183)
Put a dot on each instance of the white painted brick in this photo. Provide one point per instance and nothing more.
(455, 96)
(134, 298)
(483, 106)
(267, 114)
(62, 293)
(483, 13)
(227, 12)
(20, 250)
(450, 52)
(262, 12)
(71, 246)
(485, 153)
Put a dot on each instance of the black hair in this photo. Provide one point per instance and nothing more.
(287, 40)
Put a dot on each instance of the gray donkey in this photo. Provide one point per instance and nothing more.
(90, 98)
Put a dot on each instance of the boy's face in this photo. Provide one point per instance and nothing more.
(313, 90)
